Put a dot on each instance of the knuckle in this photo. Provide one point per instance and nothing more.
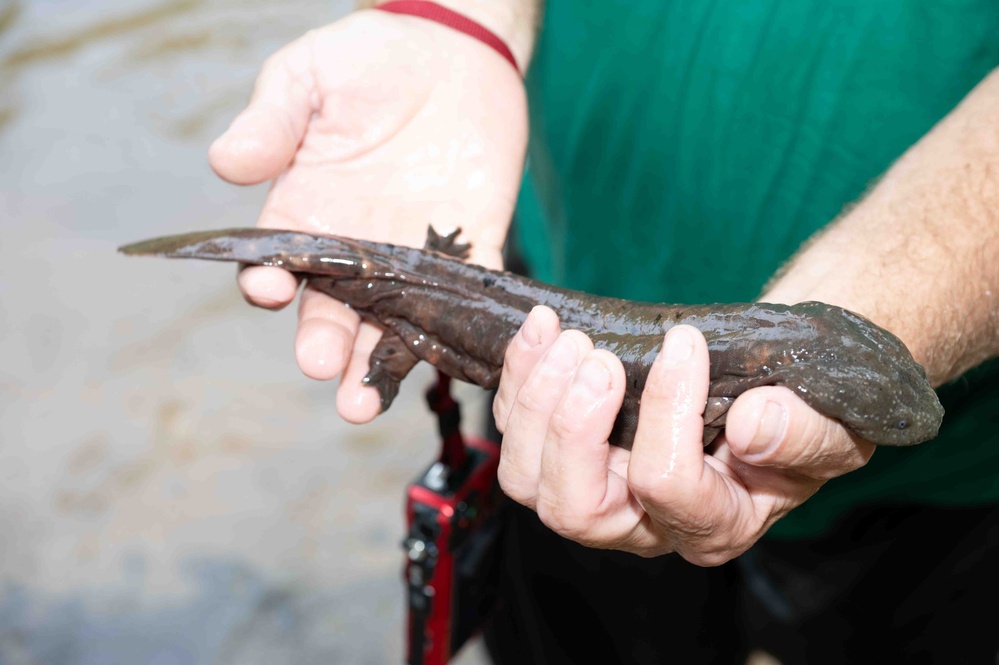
(710, 550)
(645, 484)
(566, 426)
(500, 410)
(652, 552)
(713, 558)
(815, 433)
(563, 520)
(514, 483)
(818, 448)
(505, 477)
(548, 514)
(275, 60)
(533, 400)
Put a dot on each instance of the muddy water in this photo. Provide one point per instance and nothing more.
(172, 490)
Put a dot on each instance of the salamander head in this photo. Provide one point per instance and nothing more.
(867, 378)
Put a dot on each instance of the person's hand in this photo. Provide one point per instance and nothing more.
(375, 127)
(556, 404)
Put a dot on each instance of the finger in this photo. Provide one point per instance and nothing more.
(326, 332)
(771, 426)
(356, 402)
(538, 332)
(524, 438)
(267, 287)
(579, 496)
(667, 467)
(262, 139)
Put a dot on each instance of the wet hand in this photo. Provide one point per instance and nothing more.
(556, 405)
(375, 127)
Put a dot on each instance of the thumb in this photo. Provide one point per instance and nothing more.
(771, 426)
(263, 139)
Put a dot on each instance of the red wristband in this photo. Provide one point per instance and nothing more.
(452, 19)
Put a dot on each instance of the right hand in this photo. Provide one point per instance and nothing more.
(556, 405)
(375, 127)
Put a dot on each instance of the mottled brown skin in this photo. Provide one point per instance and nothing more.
(460, 318)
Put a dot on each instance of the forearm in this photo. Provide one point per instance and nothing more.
(919, 255)
(516, 22)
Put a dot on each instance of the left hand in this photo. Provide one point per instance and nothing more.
(556, 404)
(374, 127)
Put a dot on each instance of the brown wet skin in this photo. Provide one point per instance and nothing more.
(460, 317)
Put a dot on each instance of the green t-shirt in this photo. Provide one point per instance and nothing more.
(681, 151)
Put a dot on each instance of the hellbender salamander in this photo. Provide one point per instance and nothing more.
(460, 317)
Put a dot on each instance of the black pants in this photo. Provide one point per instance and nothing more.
(897, 584)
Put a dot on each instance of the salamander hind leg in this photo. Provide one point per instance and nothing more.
(451, 361)
(447, 243)
(391, 361)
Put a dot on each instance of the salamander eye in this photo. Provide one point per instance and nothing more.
(903, 423)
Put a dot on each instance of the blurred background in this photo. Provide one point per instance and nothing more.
(172, 490)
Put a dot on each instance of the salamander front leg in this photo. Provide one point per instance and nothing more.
(715, 414)
(447, 243)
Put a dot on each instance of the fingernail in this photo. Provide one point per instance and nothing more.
(770, 431)
(679, 346)
(562, 356)
(592, 379)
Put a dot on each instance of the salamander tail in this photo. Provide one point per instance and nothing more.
(297, 252)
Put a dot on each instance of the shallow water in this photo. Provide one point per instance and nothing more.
(172, 489)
